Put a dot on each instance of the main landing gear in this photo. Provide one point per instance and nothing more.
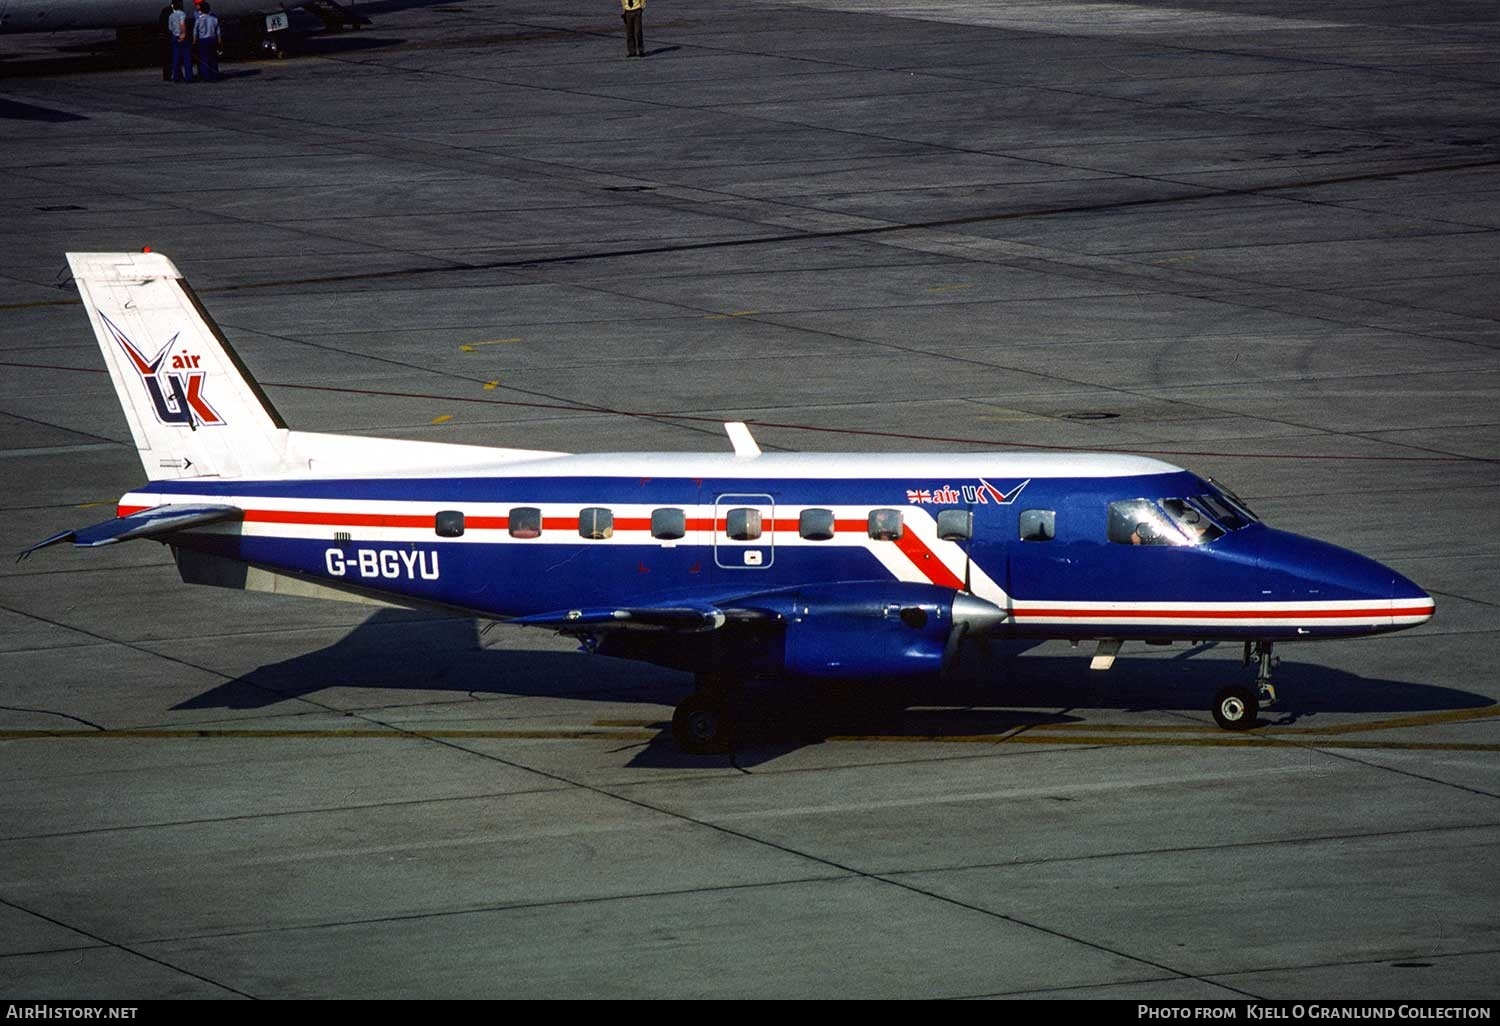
(1236, 707)
(704, 722)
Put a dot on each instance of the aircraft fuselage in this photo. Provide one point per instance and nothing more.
(667, 528)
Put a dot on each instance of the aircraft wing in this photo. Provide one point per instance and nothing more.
(148, 523)
(683, 618)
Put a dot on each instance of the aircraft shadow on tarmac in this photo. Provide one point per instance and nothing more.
(989, 692)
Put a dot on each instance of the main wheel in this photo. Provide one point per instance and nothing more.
(702, 724)
(1236, 707)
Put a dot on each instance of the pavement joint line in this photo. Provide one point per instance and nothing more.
(1412, 774)
(503, 908)
(1423, 955)
(1228, 846)
(790, 850)
(395, 803)
(121, 946)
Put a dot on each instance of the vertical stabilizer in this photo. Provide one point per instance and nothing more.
(193, 408)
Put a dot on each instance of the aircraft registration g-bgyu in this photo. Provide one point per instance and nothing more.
(731, 566)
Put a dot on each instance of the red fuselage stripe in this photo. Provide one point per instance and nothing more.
(1222, 614)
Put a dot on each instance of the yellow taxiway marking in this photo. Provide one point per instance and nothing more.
(469, 347)
(442, 418)
(949, 288)
(1093, 734)
(490, 386)
(736, 313)
(353, 733)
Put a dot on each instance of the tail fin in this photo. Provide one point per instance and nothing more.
(194, 410)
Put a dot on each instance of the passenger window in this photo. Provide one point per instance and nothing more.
(955, 524)
(1191, 521)
(1139, 522)
(1038, 525)
(742, 523)
(525, 522)
(816, 524)
(596, 522)
(668, 524)
(885, 524)
(449, 523)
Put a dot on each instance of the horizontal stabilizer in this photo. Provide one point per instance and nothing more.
(148, 523)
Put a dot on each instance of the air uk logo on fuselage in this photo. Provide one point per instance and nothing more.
(980, 494)
(173, 380)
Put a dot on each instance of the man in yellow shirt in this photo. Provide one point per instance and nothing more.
(631, 11)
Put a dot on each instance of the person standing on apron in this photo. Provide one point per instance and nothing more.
(164, 40)
(182, 44)
(632, 11)
(206, 35)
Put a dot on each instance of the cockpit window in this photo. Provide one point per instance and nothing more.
(1164, 522)
(1222, 511)
(1140, 522)
(1234, 502)
(1191, 521)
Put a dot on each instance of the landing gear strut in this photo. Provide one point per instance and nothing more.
(704, 722)
(1236, 707)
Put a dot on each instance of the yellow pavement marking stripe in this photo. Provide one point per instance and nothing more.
(356, 733)
(490, 386)
(1225, 740)
(602, 731)
(469, 347)
(1422, 720)
(442, 418)
(736, 313)
(1096, 734)
(948, 288)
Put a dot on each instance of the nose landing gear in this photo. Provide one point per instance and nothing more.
(1236, 707)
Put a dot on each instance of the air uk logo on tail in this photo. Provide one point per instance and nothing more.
(173, 381)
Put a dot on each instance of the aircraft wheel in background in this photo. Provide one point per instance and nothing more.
(703, 724)
(1235, 707)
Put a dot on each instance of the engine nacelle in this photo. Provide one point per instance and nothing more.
(873, 629)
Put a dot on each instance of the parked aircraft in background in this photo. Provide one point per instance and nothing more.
(138, 18)
(732, 566)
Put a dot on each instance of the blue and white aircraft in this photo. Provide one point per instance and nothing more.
(731, 566)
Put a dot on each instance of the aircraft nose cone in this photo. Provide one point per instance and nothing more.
(1302, 570)
(1410, 605)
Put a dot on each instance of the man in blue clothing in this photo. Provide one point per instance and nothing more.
(206, 35)
(181, 35)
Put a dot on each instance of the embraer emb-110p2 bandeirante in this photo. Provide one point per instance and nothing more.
(731, 566)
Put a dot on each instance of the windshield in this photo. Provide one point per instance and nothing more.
(1163, 522)
(1191, 521)
(1140, 522)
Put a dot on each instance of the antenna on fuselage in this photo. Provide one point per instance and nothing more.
(741, 439)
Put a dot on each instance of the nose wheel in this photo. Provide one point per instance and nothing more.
(1238, 706)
